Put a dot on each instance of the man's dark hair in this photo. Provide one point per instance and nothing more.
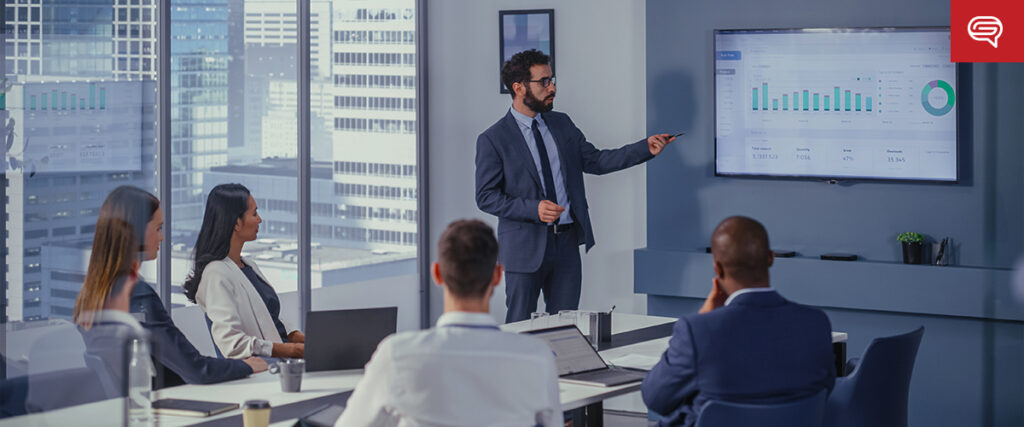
(517, 68)
(467, 254)
(741, 245)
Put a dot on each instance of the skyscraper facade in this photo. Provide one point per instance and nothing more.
(374, 165)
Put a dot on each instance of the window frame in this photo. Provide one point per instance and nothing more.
(420, 128)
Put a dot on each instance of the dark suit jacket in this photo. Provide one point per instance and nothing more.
(509, 187)
(761, 348)
(174, 351)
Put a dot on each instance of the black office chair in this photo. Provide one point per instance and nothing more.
(876, 389)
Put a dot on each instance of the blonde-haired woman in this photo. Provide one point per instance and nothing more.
(111, 276)
(101, 310)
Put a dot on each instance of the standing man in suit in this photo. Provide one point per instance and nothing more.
(747, 344)
(529, 173)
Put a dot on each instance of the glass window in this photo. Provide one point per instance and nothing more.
(85, 77)
(361, 129)
(71, 101)
(235, 122)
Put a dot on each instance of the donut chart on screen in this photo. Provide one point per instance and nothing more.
(950, 98)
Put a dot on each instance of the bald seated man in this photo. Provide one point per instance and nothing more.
(747, 344)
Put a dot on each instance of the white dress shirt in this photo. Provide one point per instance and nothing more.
(464, 372)
(746, 290)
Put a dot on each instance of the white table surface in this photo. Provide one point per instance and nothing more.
(259, 386)
(317, 384)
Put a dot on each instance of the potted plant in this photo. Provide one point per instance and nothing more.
(913, 244)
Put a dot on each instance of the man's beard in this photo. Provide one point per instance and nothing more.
(537, 105)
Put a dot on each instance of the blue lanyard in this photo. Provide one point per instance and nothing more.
(466, 325)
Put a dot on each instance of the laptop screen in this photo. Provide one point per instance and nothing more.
(345, 339)
(573, 353)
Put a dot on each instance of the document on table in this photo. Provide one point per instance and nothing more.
(635, 361)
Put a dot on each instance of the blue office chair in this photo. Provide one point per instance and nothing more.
(806, 412)
(876, 388)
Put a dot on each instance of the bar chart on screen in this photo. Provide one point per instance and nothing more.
(82, 126)
(835, 104)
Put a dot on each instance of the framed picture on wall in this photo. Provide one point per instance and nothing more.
(520, 30)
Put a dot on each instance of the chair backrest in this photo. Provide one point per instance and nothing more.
(60, 389)
(877, 390)
(209, 327)
(107, 378)
(806, 412)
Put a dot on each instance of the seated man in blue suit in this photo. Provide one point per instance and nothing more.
(747, 344)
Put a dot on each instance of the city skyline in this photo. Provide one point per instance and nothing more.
(232, 89)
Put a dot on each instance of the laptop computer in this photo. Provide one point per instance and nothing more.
(578, 362)
(345, 339)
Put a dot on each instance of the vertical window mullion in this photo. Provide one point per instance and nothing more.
(304, 175)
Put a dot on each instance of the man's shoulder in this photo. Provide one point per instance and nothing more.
(487, 341)
(500, 126)
(786, 311)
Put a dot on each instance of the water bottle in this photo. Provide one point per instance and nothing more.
(140, 384)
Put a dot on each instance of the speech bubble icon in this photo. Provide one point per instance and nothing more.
(985, 29)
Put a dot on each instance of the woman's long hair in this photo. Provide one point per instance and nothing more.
(114, 254)
(129, 207)
(224, 206)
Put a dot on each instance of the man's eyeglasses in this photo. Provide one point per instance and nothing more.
(547, 81)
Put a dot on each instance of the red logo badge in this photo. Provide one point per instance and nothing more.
(987, 30)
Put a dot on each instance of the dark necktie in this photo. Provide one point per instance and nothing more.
(545, 165)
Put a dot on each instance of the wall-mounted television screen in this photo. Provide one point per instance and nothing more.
(836, 103)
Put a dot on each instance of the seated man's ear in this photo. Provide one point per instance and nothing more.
(435, 273)
(719, 270)
(496, 278)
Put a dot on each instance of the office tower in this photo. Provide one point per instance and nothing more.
(201, 92)
(374, 170)
(271, 30)
(134, 35)
(113, 44)
(75, 133)
(75, 141)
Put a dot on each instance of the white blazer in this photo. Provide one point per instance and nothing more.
(241, 324)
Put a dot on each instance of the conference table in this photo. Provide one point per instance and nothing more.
(636, 342)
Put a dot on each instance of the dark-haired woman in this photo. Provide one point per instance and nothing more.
(243, 309)
(184, 363)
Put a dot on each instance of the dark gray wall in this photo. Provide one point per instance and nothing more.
(982, 213)
(969, 370)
